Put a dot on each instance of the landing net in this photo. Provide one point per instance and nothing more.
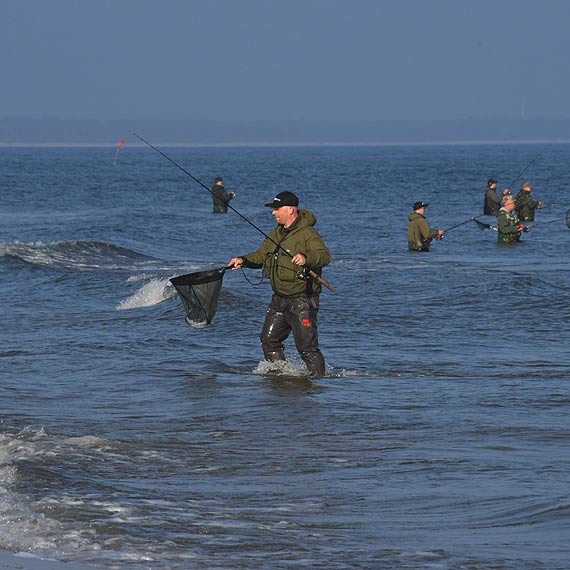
(199, 293)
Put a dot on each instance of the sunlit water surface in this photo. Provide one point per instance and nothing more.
(438, 439)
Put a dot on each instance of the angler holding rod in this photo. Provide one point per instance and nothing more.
(295, 301)
(420, 235)
(309, 270)
(292, 257)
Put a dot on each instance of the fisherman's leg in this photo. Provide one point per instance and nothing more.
(302, 317)
(275, 330)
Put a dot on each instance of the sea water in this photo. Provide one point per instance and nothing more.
(438, 439)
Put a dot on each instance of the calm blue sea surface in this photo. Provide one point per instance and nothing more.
(439, 439)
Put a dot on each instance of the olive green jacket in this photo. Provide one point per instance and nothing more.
(419, 233)
(287, 279)
(525, 206)
(507, 225)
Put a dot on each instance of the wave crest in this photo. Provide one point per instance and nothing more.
(78, 255)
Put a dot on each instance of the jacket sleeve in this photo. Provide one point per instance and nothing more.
(316, 251)
(256, 259)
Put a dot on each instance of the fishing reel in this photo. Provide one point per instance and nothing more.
(304, 274)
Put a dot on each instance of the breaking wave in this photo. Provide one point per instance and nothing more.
(77, 255)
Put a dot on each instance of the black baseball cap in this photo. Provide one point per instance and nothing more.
(418, 205)
(491, 181)
(283, 199)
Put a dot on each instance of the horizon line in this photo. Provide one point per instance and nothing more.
(285, 144)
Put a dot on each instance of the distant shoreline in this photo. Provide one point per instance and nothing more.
(284, 144)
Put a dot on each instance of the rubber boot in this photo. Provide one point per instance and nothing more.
(274, 356)
(315, 362)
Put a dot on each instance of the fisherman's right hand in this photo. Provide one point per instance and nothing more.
(236, 263)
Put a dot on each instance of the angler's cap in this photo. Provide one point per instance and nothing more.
(418, 205)
(491, 181)
(508, 198)
(217, 179)
(283, 199)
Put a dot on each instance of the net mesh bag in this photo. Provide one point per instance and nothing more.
(199, 293)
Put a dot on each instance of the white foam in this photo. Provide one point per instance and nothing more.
(156, 291)
(297, 369)
(282, 368)
(139, 277)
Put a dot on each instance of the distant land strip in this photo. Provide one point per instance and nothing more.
(21, 131)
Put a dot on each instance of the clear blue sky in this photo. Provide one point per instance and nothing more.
(285, 59)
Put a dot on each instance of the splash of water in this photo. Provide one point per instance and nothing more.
(156, 291)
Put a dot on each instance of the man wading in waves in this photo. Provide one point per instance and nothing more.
(220, 197)
(508, 223)
(295, 300)
(492, 202)
(419, 232)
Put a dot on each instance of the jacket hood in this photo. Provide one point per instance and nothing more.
(306, 218)
(414, 216)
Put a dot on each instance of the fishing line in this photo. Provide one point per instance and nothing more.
(531, 163)
(310, 271)
(566, 219)
(261, 279)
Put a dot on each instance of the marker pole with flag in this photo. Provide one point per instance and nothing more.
(120, 147)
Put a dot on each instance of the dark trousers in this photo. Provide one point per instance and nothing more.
(297, 314)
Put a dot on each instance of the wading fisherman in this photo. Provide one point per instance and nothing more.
(220, 197)
(525, 205)
(508, 223)
(492, 202)
(295, 300)
(419, 233)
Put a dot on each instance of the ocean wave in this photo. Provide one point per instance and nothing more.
(22, 526)
(77, 255)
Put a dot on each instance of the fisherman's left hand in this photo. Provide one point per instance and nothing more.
(236, 263)
(299, 259)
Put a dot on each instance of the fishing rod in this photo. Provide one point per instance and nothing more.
(440, 237)
(310, 271)
(462, 223)
(531, 163)
(483, 225)
(538, 224)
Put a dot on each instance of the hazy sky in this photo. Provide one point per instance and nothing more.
(285, 59)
